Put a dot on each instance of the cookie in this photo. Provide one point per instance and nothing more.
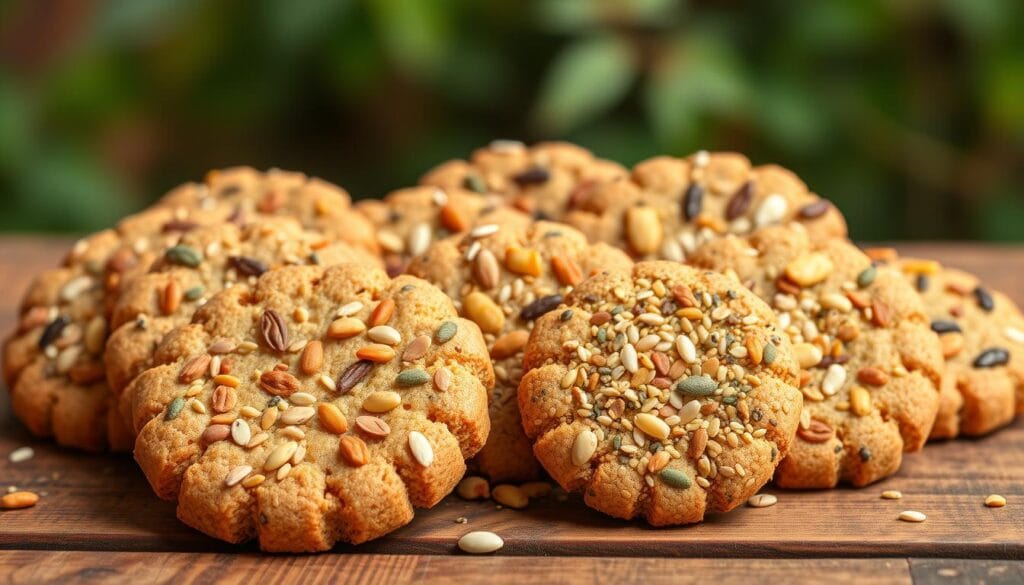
(663, 392)
(220, 256)
(541, 180)
(408, 220)
(871, 365)
(53, 362)
(504, 281)
(314, 202)
(982, 335)
(672, 205)
(324, 404)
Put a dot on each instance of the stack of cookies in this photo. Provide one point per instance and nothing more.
(665, 339)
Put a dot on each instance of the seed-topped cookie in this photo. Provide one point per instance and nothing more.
(54, 360)
(672, 205)
(541, 180)
(504, 280)
(314, 202)
(663, 392)
(199, 264)
(982, 335)
(871, 366)
(408, 220)
(323, 404)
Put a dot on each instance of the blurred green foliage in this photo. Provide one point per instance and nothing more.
(910, 115)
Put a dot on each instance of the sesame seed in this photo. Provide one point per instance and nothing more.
(912, 516)
(995, 501)
(21, 454)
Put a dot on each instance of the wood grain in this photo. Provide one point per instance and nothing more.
(102, 503)
(36, 567)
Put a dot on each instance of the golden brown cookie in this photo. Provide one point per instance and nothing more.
(199, 264)
(663, 392)
(504, 281)
(316, 203)
(541, 180)
(53, 363)
(408, 220)
(321, 406)
(672, 205)
(982, 335)
(871, 364)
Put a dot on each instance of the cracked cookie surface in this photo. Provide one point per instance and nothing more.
(871, 366)
(663, 392)
(322, 405)
(504, 281)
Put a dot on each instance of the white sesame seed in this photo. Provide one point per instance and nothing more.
(480, 542)
(237, 474)
(835, 376)
(1014, 334)
(421, 449)
(482, 231)
(771, 210)
(21, 454)
(629, 358)
(912, 516)
(350, 309)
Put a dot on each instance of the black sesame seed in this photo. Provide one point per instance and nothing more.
(534, 176)
(53, 330)
(693, 202)
(566, 315)
(984, 299)
(992, 357)
(922, 282)
(941, 326)
(540, 306)
(865, 454)
(740, 202)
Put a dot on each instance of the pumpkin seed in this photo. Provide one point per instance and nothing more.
(867, 276)
(480, 542)
(183, 255)
(412, 377)
(675, 478)
(697, 386)
(174, 408)
(446, 331)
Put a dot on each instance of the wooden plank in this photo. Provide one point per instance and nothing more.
(945, 571)
(155, 568)
(103, 503)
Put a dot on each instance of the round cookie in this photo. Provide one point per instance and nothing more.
(504, 281)
(541, 180)
(53, 362)
(982, 335)
(316, 203)
(408, 220)
(672, 205)
(663, 392)
(219, 257)
(871, 364)
(324, 404)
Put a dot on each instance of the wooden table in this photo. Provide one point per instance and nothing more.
(98, 520)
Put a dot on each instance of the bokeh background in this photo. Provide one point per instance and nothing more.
(909, 115)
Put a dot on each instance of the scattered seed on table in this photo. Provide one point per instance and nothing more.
(21, 454)
(762, 501)
(480, 542)
(892, 495)
(995, 501)
(912, 516)
(17, 500)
